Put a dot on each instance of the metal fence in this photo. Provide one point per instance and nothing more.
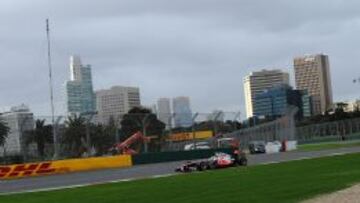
(85, 136)
(330, 131)
(278, 130)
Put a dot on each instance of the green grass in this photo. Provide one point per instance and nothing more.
(328, 145)
(285, 182)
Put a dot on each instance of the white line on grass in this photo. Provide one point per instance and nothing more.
(88, 184)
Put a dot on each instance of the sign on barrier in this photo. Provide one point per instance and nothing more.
(189, 135)
(64, 166)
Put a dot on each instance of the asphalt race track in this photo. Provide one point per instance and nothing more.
(142, 171)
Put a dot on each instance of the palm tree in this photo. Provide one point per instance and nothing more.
(4, 131)
(75, 135)
(41, 135)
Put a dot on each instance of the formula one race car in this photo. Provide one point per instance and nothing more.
(219, 160)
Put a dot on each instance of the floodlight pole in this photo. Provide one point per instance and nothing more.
(56, 149)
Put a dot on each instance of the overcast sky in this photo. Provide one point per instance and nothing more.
(197, 48)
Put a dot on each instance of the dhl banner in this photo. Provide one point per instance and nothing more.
(189, 135)
(63, 166)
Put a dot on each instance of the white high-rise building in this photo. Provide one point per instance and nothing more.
(164, 111)
(182, 111)
(19, 120)
(312, 73)
(116, 101)
(79, 89)
(257, 82)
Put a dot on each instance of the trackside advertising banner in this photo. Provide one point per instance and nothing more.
(189, 135)
(63, 166)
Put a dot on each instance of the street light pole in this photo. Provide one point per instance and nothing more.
(236, 117)
(90, 115)
(143, 122)
(193, 129)
(56, 141)
(117, 128)
(215, 121)
(22, 138)
(172, 115)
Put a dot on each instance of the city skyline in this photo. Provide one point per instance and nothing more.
(210, 56)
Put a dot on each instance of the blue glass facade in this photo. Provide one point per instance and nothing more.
(275, 101)
(80, 94)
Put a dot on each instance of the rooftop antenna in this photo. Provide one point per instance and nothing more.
(51, 90)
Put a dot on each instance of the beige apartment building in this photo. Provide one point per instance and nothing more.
(115, 102)
(312, 73)
(257, 82)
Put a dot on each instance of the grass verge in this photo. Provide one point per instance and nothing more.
(284, 182)
(328, 145)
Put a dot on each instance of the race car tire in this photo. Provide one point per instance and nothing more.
(202, 166)
(243, 162)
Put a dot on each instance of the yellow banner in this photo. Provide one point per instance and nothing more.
(189, 135)
(64, 166)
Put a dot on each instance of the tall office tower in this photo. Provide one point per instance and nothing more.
(257, 82)
(182, 110)
(312, 73)
(79, 89)
(115, 102)
(20, 120)
(164, 111)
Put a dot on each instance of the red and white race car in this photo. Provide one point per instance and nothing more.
(219, 160)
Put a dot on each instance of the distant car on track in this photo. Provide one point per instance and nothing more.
(197, 145)
(256, 147)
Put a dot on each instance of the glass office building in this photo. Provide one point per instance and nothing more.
(275, 101)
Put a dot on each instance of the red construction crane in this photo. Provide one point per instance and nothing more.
(124, 147)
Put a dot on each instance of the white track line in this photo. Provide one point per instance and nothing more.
(306, 157)
(88, 184)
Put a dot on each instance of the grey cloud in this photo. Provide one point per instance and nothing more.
(199, 48)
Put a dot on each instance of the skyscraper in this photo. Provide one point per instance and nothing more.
(182, 110)
(164, 111)
(116, 101)
(312, 73)
(257, 82)
(79, 89)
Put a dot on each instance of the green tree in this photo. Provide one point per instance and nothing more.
(4, 131)
(139, 118)
(41, 135)
(102, 138)
(74, 138)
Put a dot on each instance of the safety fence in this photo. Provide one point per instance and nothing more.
(281, 129)
(348, 129)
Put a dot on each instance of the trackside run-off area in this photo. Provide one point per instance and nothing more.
(282, 182)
